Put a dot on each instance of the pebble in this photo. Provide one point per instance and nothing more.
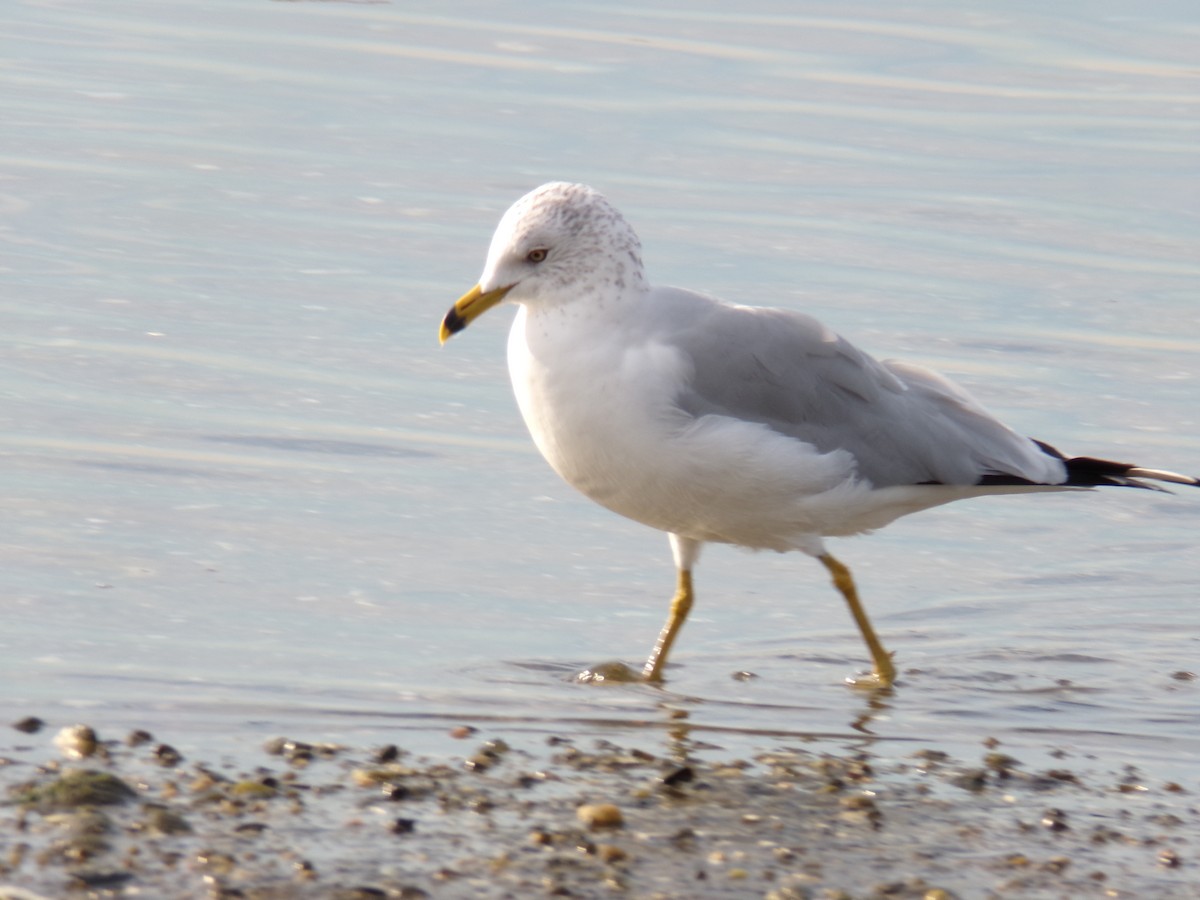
(76, 788)
(167, 756)
(600, 815)
(1169, 859)
(403, 826)
(610, 853)
(1055, 820)
(77, 741)
(29, 725)
(162, 821)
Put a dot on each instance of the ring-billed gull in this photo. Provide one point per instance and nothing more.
(734, 424)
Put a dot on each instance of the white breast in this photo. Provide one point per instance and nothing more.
(597, 410)
(603, 415)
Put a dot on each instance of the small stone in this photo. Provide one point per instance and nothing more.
(298, 753)
(461, 732)
(252, 790)
(970, 780)
(931, 757)
(480, 762)
(383, 775)
(77, 741)
(305, 870)
(77, 788)
(394, 792)
(1064, 775)
(275, 746)
(684, 838)
(679, 776)
(1169, 859)
(167, 756)
(788, 892)
(387, 754)
(1000, 763)
(161, 820)
(1055, 820)
(610, 853)
(1166, 820)
(204, 781)
(860, 808)
(403, 826)
(29, 725)
(213, 862)
(600, 815)
(137, 737)
(106, 882)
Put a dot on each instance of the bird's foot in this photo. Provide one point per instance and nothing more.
(870, 681)
(883, 678)
(614, 672)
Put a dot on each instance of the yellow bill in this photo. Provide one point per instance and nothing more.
(470, 306)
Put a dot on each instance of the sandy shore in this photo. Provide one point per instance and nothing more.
(92, 814)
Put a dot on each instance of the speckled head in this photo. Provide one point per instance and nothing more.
(556, 245)
(561, 241)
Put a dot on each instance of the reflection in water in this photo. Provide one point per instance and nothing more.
(878, 704)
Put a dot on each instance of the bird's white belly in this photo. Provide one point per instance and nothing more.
(587, 416)
(605, 418)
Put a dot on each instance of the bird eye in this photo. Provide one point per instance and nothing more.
(536, 255)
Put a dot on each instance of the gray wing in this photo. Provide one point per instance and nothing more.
(903, 424)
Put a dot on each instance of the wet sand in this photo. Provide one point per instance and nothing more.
(89, 813)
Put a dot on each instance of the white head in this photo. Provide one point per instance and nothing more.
(558, 243)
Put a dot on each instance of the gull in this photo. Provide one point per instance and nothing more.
(722, 423)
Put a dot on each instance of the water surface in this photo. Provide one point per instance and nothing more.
(246, 491)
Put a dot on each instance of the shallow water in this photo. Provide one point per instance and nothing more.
(247, 493)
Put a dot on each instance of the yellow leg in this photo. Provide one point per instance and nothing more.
(885, 671)
(681, 605)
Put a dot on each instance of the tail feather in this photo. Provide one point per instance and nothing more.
(1088, 471)
(1162, 475)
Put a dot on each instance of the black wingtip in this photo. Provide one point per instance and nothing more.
(1089, 471)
